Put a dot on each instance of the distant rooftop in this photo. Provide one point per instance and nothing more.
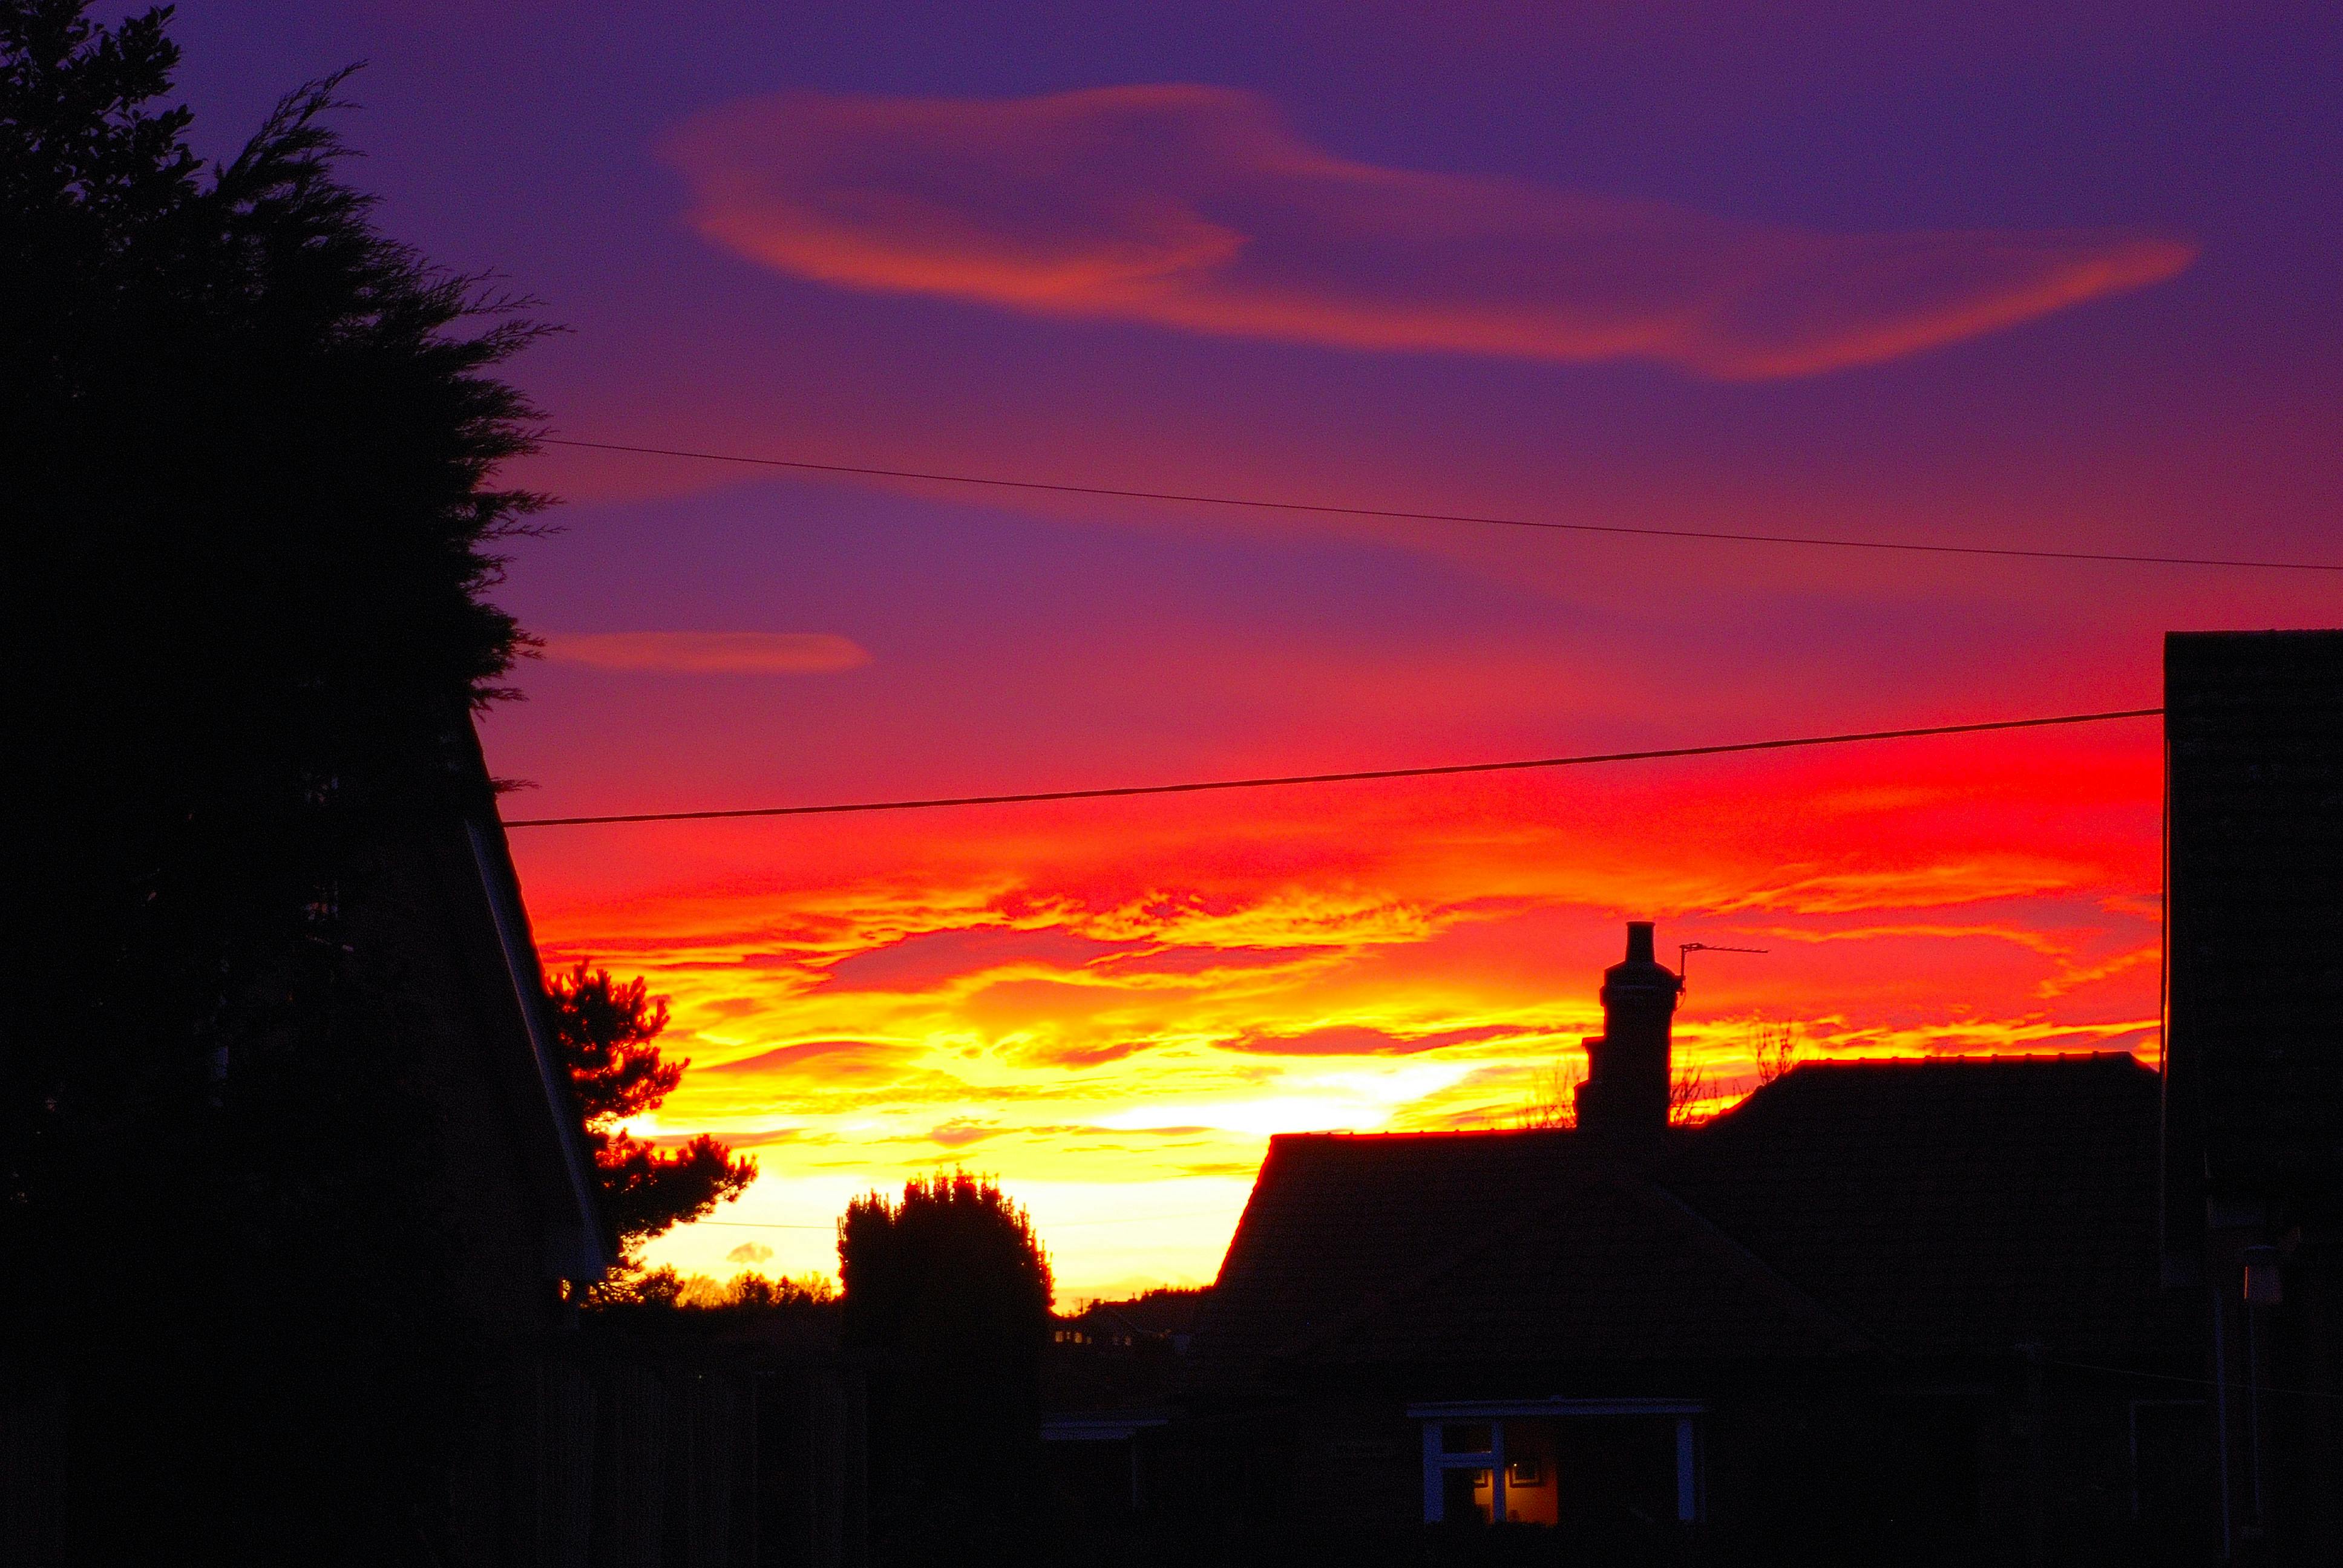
(1924, 1206)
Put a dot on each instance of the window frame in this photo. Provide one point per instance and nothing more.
(1494, 1414)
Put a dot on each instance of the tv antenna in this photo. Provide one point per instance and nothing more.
(1686, 950)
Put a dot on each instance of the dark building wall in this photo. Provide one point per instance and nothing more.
(2253, 1122)
(1840, 1465)
(432, 956)
(1356, 1461)
(601, 1461)
(2254, 901)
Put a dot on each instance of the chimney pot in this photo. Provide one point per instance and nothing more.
(1625, 1095)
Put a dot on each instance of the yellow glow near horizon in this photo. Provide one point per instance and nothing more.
(1114, 1012)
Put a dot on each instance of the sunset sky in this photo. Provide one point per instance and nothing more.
(2065, 277)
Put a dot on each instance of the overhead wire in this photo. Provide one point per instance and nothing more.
(2197, 1381)
(1365, 774)
(1273, 781)
(1402, 514)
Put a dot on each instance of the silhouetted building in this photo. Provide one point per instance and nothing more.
(1165, 1316)
(700, 1439)
(1625, 1095)
(677, 1439)
(445, 924)
(1108, 1381)
(439, 941)
(1894, 1310)
(2253, 1107)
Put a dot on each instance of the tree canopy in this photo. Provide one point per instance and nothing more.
(249, 447)
(609, 1032)
(252, 534)
(954, 1264)
(948, 1289)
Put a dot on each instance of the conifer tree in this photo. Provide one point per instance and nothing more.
(248, 446)
(609, 1032)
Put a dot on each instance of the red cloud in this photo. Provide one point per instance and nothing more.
(1195, 207)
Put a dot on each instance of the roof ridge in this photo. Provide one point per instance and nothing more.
(1968, 1058)
(1723, 1245)
(1339, 1134)
(1649, 1194)
(1374, 1301)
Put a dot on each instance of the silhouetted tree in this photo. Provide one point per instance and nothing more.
(1554, 1098)
(950, 1289)
(649, 1293)
(608, 1033)
(746, 1293)
(246, 445)
(1774, 1047)
(763, 1292)
(1687, 1089)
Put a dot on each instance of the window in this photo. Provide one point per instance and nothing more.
(1550, 1461)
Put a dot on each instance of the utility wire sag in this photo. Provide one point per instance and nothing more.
(1274, 781)
(1396, 514)
(2196, 1382)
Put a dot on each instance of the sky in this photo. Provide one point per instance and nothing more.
(2046, 277)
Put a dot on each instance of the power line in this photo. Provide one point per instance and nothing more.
(1396, 514)
(1444, 770)
(2198, 1381)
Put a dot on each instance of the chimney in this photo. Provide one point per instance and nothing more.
(1625, 1095)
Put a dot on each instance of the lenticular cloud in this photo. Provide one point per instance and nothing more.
(1196, 207)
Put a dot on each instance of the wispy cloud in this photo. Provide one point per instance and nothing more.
(1848, 890)
(2042, 942)
(709, 652)
(1364, 1040)
(2076, 979)
(1285, 917)
(1196, 207)
(959, 1133)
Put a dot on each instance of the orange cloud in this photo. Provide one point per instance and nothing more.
(1364, 1040)
(1196, 207)
(2122, 963)
(1808, 891)
(1286, 918)
(2036, 941)
(1112, 1009)
(709, 652)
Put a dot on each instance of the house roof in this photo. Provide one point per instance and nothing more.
(1949, 1204)
(1608, 1267)
(1337, 1219)
(1167, 1310)
(480, 904)
(1915, 1208)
